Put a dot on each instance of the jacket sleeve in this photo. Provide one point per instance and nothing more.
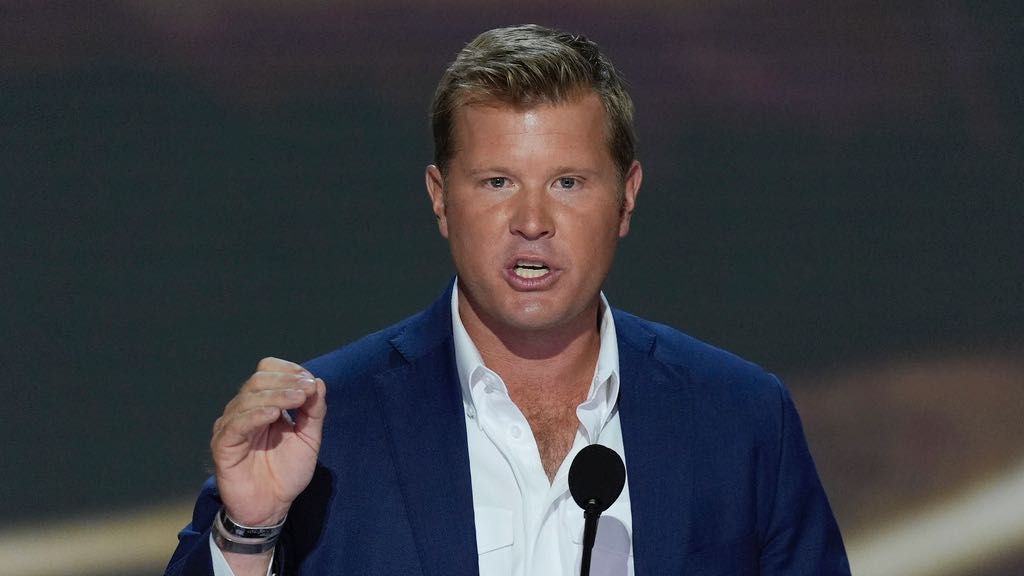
(192, 556)
(800, 536)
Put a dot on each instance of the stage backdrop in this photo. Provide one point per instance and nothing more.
(831, 191)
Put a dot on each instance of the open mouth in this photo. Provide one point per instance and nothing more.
(527, 269)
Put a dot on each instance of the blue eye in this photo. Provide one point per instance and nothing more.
(497, 182)
(567, 182)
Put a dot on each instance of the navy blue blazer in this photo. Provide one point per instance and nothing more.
(720, 478)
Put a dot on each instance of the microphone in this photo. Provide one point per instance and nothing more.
(596, 478)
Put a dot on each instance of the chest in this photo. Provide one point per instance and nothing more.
(554, 423)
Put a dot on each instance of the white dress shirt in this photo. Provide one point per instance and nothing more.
(527, 525)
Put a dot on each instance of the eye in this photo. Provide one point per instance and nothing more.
(567, 182)
(497, 182)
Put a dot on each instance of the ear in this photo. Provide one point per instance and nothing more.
(435, 188)
(631, 188)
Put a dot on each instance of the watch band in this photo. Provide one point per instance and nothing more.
(232, 537)
(234, 529)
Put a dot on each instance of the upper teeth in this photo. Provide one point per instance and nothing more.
(525, 269)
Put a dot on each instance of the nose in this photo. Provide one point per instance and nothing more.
(531, 216)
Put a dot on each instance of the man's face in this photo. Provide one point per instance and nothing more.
(532, 211)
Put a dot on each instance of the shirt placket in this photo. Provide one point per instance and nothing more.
(510, 433)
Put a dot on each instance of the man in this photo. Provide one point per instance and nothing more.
(449, 436)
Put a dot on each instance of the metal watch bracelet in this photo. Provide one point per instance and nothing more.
(232, 537)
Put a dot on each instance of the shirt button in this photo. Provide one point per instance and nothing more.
(515, 431)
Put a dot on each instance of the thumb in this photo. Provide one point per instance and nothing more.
(309, 418)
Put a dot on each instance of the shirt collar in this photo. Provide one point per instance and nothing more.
(594, 412)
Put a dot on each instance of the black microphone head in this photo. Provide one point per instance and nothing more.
(597, 474)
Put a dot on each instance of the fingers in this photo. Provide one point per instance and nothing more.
(234, 428)
(309, 418)
(276, 393)
(277, 385)
(271, 364)
(274, 374)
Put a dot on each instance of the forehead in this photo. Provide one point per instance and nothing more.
(576, 128)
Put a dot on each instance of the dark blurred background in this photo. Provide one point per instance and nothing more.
(833, 190)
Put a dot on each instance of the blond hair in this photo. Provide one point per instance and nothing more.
(530, 65)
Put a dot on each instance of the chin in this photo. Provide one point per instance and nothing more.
(538, 316)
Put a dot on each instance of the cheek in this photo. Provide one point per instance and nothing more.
(601, 227)
(470, 246)
(604, 243)
(462, 231)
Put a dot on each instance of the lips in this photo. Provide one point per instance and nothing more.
(528, 272)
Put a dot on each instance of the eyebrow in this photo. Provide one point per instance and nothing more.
(491, 170)
(504, 170)
(575, 170)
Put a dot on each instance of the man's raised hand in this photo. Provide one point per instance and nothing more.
(261, 460)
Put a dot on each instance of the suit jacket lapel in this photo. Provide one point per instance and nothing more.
(423, 411)
(655, 413)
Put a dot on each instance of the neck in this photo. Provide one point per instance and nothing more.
(556, 360)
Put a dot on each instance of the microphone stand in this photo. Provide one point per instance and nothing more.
(591, 514)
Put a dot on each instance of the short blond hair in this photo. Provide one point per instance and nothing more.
(529, 65)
